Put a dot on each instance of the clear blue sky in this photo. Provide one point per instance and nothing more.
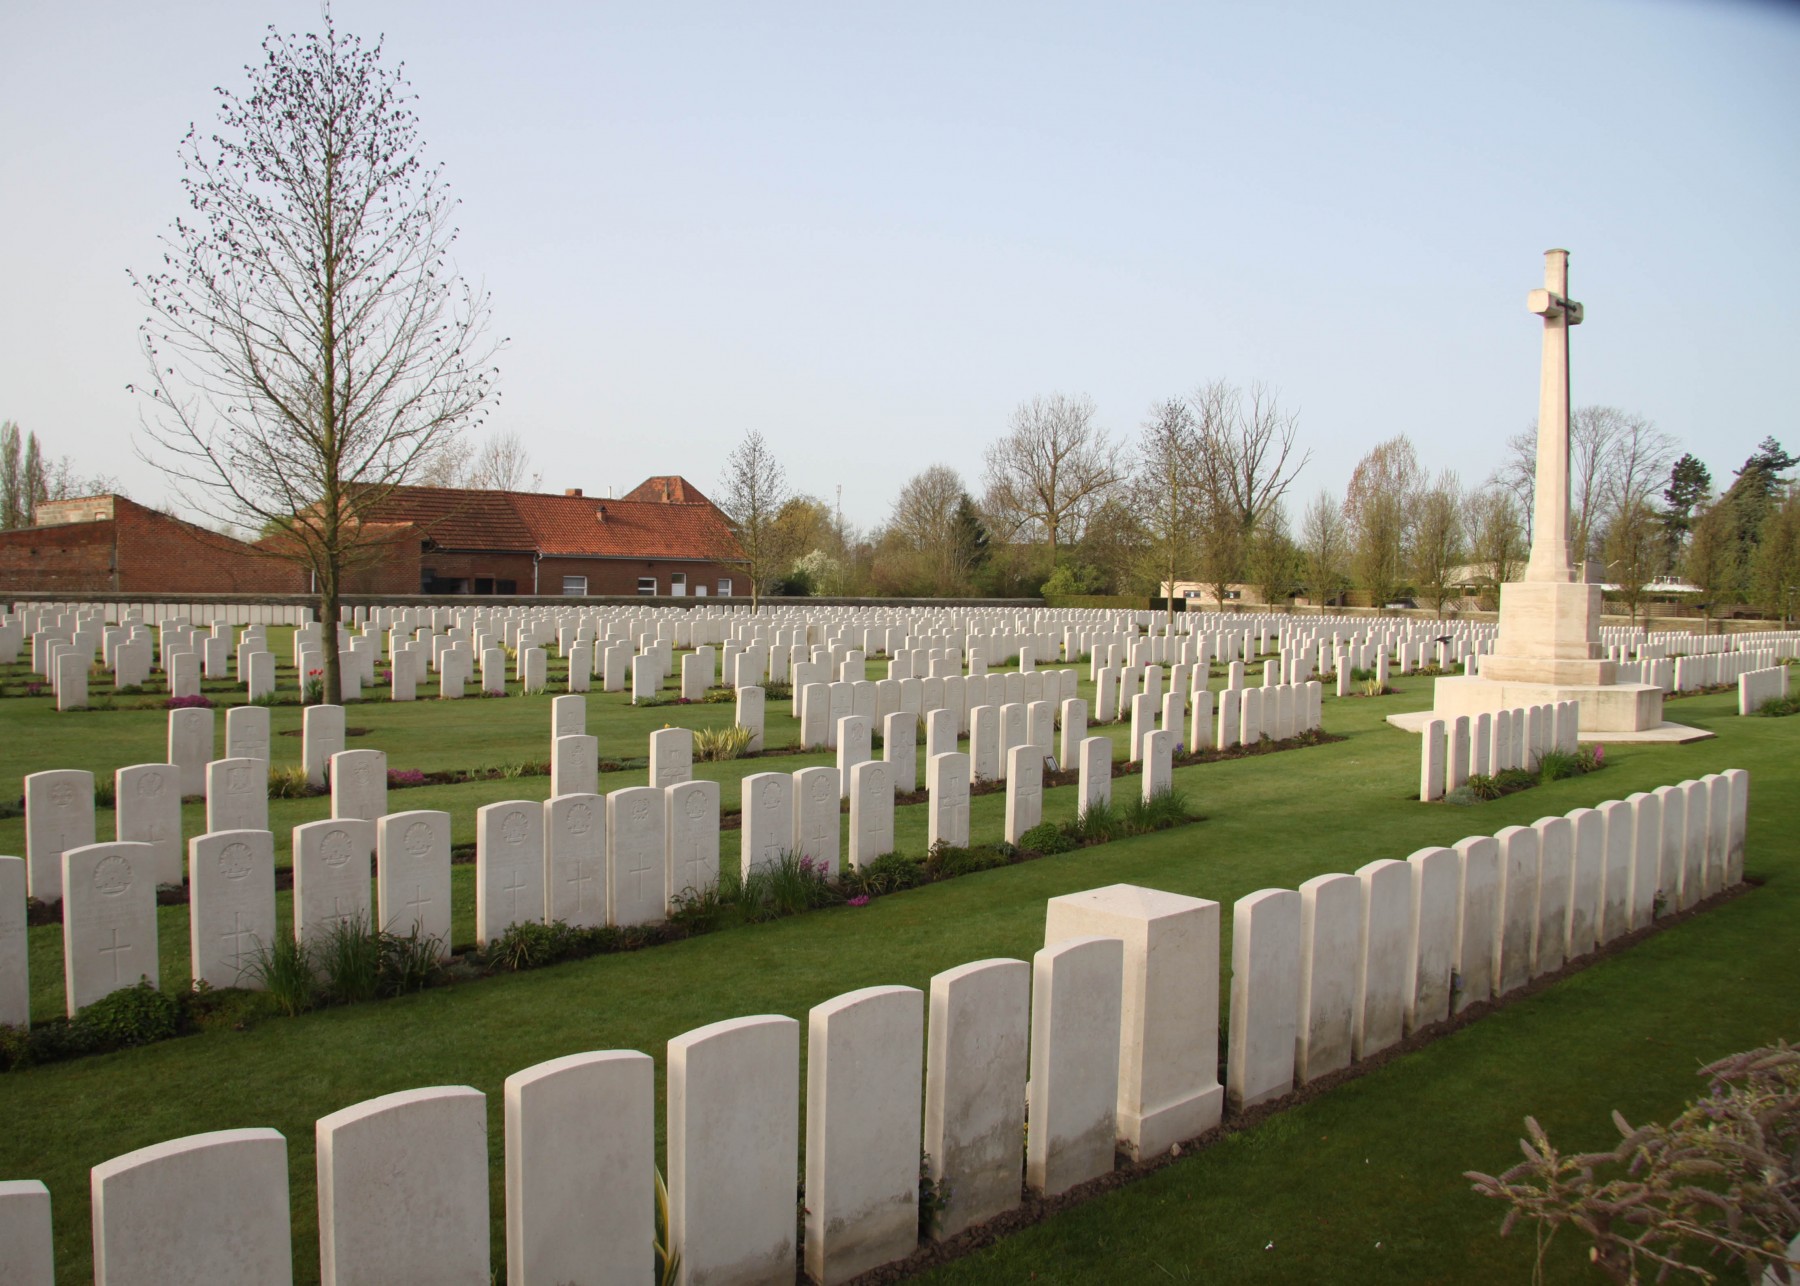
(870, 231)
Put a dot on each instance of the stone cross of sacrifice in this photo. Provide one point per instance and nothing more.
(1551, 558)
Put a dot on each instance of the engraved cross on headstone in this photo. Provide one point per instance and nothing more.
(1552, 559)
(417, 902)
(512, 893)
(237, 935)
(112, 954)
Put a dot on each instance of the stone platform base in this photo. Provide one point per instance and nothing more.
(1664, 733)
(1609, 708)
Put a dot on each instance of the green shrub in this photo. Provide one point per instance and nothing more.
(132, 1016)
(1777, 707)
(888, 874)
(1098, 823)
(289, 783)
(347, 960)
(1047, 838)
(411, 961)
(715, 745)
(283, 970)
(530, 946)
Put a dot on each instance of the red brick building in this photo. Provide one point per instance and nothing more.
(108, 544)
(664, 537)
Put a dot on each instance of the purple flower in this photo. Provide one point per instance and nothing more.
(861, 899)
(188, 703)
(1599, 754)
(405, 777)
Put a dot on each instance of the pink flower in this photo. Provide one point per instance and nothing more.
(861, 899)
(1599, 754)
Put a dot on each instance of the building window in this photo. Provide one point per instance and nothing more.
(725, 587)
(575, 586)
(646, 584)
(506, 587)
(677, 583)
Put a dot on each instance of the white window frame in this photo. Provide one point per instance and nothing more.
(724, 587)
(647, 586)
(580, 584)
(677, 584)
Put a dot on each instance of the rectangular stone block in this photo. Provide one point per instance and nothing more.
(1073, 1092)
(976, 1062)
(1169, 1018)
(862, 1127)
(580, 1154)
(403, 1189)
(208, 1209)
(733, 1148)
(109, 921)
(637, 844)
(412, 881)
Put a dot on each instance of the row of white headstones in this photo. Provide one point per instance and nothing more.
(1453, 750)
(626, 858)
(1108, 1039)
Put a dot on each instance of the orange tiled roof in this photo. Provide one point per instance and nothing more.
(642, 525)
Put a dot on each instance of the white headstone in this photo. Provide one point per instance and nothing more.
(1265, 996)
(575, 764)
(210, 1209)
(147, 810)
(817, 831)
(1024, 791)
(636, 845)
(231, 905)
(191, 747)
(1518, 905)
(1431, 949)
(322, 736)
(1076, 994)
(767, 818)
(109, 920)
(733, 1148)
(412, 884)
(862, 1126)
(247, 733)
(580, 1153)
(871, 811)
(976, 1061)
(15, 962)
(403, 1189)
(331, 875)
(692, 828)
(575, 859)
(1331, 918)
(237, 795)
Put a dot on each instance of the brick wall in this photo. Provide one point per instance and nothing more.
(71, 558)
(160, 554)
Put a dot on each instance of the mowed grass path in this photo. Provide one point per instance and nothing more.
(1361, 1185)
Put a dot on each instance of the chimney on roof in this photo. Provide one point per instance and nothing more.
(600, 513)
(572, 491)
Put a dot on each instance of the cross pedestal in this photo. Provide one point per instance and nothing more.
(1549, 645)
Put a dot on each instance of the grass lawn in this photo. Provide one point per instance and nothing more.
(1362, 1184)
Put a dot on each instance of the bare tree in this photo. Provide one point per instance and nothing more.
(1615, 458)
(1054, 465)
(1325, 545)
(503, 464)
(1246, 448)
(309, 343)
(1438, 539)
(1496, 539)
(1379, 510)
(752, 490)
(1165, 494)
(924, 524)
(1633, 549)
(1272, 559)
